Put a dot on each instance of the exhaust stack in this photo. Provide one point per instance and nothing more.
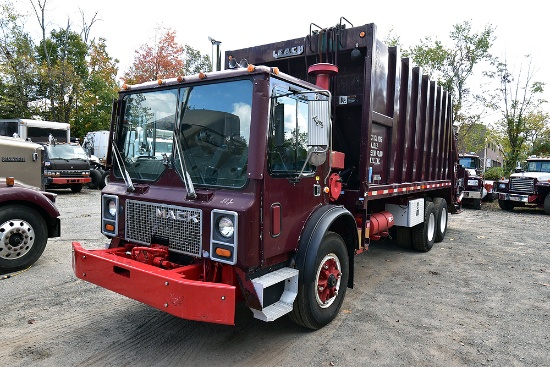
(323, 72)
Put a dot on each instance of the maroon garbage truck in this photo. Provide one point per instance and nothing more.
(261, 182)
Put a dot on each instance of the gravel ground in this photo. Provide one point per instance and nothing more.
(479, 298)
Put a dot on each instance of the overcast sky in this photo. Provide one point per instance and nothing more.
(522, 27)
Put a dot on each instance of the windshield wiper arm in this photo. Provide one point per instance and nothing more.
(125, 175)
(186, 177)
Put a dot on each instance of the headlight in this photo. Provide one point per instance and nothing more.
(112, 207)
(109, 215)
(501, 186)
(226, 227)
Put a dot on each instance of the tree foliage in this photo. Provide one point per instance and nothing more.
(165, 59)
(517, 100)
(455, 64)
(18, 66)
(65, 77)
(100, 88)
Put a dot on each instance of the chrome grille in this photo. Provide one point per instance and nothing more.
(181, 226)
(521, 184)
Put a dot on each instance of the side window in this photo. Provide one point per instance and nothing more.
(288, 134)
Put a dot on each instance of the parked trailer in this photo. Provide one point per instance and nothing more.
(273, 183)
(38, 131)
(28, 216)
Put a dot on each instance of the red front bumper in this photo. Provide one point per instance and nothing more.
(174, 291)
(72, 180)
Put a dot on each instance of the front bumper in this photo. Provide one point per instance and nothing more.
(177, 291)
(472, 194)
(513, 197)
(68, 180)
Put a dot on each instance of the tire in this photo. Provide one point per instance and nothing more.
(403, 237)
(441, 218)
(547, 204)
(505, 205)
(319, 302)
(96, 177)
(104, 180)
(424, 233)
(476, 203)
(76, 188)
(23, 237)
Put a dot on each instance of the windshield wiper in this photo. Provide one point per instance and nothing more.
(125, 175)
(186, 177)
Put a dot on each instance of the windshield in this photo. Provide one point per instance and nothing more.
(214, 133)
(213, 128)
(468, 162)
(65, 151)
(540, 166)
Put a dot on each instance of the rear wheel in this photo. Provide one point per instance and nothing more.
(441, 218)
(424, 233)
(96, 176)
(506, 205)
(318, 302)
(23, 237)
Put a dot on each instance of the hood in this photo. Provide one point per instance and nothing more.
(540, 176)
(67, 164)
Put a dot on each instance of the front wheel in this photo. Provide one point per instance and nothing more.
(318, 302)
(23, 237)
(76, 188)
(505, 205)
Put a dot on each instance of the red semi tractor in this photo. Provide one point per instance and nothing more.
(274, 178)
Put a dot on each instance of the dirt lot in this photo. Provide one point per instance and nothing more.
(480, 298)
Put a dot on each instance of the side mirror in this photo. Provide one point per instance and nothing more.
(318, 123)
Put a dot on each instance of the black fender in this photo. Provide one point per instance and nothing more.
(333, 218)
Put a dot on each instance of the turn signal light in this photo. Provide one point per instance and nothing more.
(10, 181)
(109, 227)
(223, 252)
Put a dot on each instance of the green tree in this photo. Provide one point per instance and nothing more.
(64, 71)
(454, 65)
(517, 100)
(100, 88)
(537, 132)
(18, 67)
(194, 62)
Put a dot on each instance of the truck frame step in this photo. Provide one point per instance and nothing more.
(277, 309)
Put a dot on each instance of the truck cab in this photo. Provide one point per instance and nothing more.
(472, 180)
(66, 165)
(529, 186)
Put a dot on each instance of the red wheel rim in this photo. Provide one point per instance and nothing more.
(328, 280)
